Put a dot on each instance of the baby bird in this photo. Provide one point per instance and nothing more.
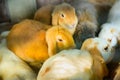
(32, 43)
(88, 63)
(110, 31)
(87, 21)
(12, 67)
(61, 14)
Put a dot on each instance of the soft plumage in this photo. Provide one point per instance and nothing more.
(31, 42)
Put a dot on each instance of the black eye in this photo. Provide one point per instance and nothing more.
(109, 40)
(106, 48)
(62, 15)
(60, 40)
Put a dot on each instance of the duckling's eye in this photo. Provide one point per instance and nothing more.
(62, 15)
(106, 48)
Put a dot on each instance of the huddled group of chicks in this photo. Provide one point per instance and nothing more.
(61, 42)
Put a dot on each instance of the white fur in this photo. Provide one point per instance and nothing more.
(106, 33)
(108, 53)
(67, 65)
(113, 23)
(13, 68)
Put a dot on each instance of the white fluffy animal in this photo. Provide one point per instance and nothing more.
(84, 64)
(101, 46)
(11, 67)
(111, 30)
(67, 65)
